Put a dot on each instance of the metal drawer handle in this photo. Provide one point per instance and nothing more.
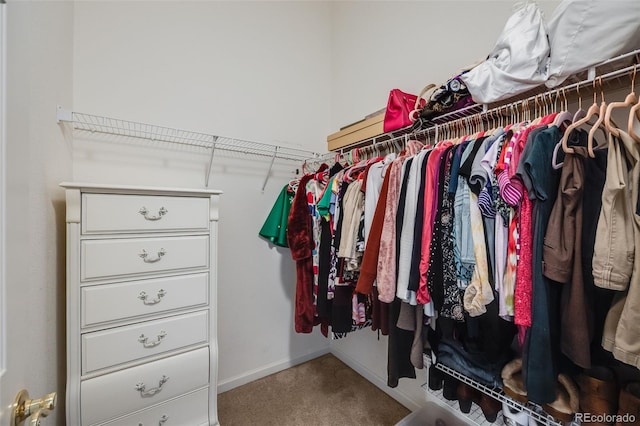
(144, 212)
(162, 420)
(145, 340)
(142, 388)
(144, 255)
(143, 296)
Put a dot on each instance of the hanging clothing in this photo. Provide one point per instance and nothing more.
(479, 292)
(374, 176)
(430, 207)
(441, 276)
(386, 268)
(621, 332)
(405, 250)
(478, 239)
(524, 271)
(414, 272)
(301, 243)
(598, 299)
(369, 266)
(543, 347)
(386, 274)
(274, 228)
(562, 257)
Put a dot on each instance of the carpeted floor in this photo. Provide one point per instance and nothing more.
(321, 392)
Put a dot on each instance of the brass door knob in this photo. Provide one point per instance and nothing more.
(23, 408)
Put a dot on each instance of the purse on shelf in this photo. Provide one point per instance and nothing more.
(451, 96)
(400, 106)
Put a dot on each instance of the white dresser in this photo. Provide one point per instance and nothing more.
(141, 306)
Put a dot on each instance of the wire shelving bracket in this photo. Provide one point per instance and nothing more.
(82, 122)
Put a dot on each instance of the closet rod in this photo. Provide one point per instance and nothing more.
(481, 111)
(89, 123)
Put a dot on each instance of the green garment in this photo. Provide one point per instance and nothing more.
(324, 204)
(275, 227)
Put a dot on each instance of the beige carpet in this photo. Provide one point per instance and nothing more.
(321, 392)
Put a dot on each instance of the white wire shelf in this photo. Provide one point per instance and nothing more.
(90, 124)
(533, 410)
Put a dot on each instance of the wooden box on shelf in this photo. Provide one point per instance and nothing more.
(358, 131)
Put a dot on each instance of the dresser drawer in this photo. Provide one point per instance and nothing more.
(104, 213)
(191, 409)
(112, 302)
(130, 256)
(132, 389)
(123, 344)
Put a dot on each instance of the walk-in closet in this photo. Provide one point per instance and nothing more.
(319, 212)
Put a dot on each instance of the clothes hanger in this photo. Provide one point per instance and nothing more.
(363, 152)
(634, 114)
(535, 111)
(515, 118)
(435, 135)
(630, 100)
(593, 110)
(463, 131)
(580, 113)
(477, 127)
(524, 105)
(598, 124)
(564, 118)
(554, 156)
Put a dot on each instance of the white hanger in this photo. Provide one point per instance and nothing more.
(633, 115)
(580, 113)
(593, 109)
(630, 100)
(598, 124)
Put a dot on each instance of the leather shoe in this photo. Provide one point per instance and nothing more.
(466, 396)
(629, 405)
(490, 407)
(436, 377)
(598, 393)
(450, 388)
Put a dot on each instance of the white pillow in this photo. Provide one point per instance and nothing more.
(517, 63)
(583, 33)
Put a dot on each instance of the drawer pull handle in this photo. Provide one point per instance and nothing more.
(142, 388)
(162, 420)
(144, 255)
(143, 296)
(145, 340)
(144, 212)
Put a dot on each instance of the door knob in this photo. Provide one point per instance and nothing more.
(23, 408)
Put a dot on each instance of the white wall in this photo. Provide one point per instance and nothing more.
(250, 70)
(378, 46)
(39, 75)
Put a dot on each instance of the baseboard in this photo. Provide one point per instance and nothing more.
(266, 370)
(404, 399)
